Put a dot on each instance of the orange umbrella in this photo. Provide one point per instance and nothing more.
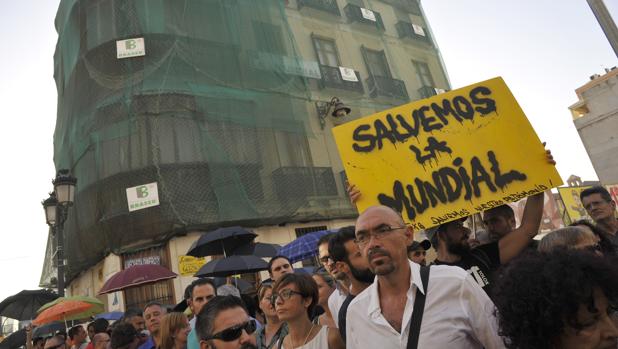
(63, 311)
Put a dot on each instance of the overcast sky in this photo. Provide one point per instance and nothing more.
(544, 49)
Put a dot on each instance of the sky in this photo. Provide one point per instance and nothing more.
(544, 49)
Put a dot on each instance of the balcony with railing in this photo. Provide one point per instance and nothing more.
(429, 91)
(329, 6)
(408, 30)
(411, 6)
(387, 87)
(332, 78)
(361, 15)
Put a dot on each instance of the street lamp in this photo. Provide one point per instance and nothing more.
(339, 110)
(56, 209)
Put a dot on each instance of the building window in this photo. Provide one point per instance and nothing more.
(423, 74)
(268, 38)
(326, 50)
(376, 63)
(306, 230)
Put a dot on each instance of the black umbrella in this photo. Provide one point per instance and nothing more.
(232, 265)
(23, 306)
(257, 249)
(48, 329)
(242, 285)
(220, 241)
(15, 340)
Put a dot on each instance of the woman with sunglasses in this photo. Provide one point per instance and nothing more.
(294, 297)
(174, 331)
(326, 286)
(275, 329)
(570, 238)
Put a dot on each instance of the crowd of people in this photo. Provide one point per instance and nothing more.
(376, 288)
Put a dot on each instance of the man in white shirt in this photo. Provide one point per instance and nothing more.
(458, 313)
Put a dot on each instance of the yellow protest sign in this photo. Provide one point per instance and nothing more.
(189, 265)
(613, 192)
(572, 204)
(446, 157)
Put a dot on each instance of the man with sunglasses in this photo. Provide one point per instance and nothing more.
(224, 323)
(336, 299)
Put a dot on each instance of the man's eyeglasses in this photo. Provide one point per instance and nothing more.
(418, 253)
(363, 237)
(233, 333)
(284, 294)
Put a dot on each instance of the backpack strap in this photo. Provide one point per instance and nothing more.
(417, 311)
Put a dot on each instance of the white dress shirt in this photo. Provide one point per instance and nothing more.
(458, 314)
(335, 300)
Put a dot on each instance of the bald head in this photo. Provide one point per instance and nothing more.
(385, 211)
(382, 238)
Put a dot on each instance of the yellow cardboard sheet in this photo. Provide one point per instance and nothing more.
(572, 203)
(446, 157)
(188, 265)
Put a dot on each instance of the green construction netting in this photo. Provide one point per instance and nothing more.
(215, 112)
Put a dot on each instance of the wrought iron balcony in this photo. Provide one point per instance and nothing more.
(355, 14)
(387, 87)
(322, 5)
(428, 91)
(411, 6)
(332, 78)
(406, 30)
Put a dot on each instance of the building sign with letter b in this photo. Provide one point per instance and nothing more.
(142, 196)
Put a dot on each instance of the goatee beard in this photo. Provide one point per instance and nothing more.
(364, 276)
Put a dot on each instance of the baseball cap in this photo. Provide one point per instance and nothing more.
(431, 232)
(425, 244)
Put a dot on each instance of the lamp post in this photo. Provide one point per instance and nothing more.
(56, 209)
(336, 105)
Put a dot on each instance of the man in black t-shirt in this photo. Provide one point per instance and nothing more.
(451, 243)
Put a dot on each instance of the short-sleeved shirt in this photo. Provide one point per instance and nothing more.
(480, 262)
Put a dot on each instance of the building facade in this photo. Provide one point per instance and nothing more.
(595, 116)
(220, 104)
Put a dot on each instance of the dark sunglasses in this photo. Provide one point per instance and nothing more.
(233, 333)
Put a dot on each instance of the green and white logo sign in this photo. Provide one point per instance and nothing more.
(143, 196)
(130, 48)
